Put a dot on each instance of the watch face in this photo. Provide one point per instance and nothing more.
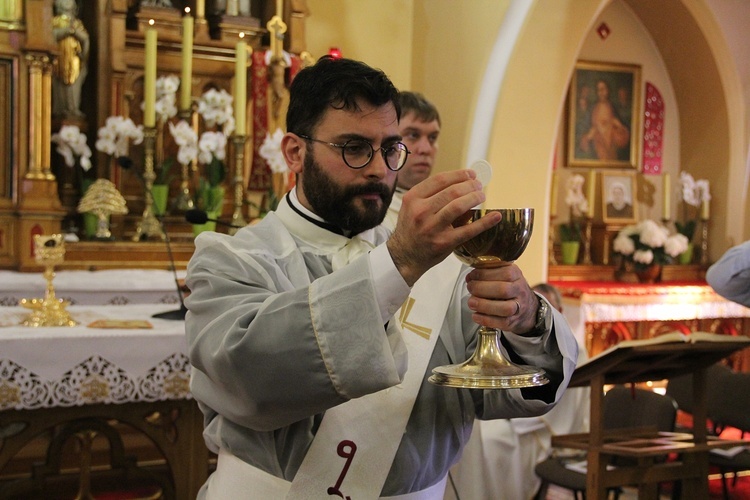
(541, 314)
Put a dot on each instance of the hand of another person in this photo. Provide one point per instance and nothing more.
(502, 298)
(424, 233)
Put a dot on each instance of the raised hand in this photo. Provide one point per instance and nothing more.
(424, 233)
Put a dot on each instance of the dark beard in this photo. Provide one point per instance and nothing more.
(336, 204)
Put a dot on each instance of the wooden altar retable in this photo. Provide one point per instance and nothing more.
(641, 361)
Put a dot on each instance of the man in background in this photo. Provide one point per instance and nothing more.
(419, 127)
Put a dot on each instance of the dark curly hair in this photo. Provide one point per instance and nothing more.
(339, 84)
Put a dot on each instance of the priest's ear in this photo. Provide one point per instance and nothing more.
(294, 148)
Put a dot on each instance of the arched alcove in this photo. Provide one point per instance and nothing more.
(525, 130)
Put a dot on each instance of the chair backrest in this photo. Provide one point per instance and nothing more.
(626, 407)
(681, 387)
(730, 400)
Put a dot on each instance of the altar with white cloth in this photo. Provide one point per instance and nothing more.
(106, 286)
(119, 364)
(601, 314)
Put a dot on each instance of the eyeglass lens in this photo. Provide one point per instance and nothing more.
(358, 153)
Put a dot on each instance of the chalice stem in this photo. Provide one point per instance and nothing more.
(49, 275)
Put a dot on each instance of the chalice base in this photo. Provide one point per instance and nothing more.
(488, 369)
(49, 311)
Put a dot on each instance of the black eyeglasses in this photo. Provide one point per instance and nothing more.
(358, 153)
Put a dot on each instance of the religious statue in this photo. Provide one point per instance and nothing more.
(72, 63)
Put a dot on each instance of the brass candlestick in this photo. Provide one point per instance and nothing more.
(587, 241)
(149, 225)
(49, 250)
(238, 221)
(184, 200)
(704, 242)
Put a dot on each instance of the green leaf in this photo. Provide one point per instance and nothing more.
(687, 228)
(164, 172)
(215, 172)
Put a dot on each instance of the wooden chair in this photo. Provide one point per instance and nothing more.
(624, 408)
(731, 408)
(680, 388)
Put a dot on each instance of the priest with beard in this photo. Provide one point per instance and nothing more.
(311, 381)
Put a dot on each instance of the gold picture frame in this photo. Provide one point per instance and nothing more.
(603, 115)
(618, 195)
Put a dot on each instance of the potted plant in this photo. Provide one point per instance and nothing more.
(645, 247)
(210, 192)
(570, 232)
(114, 139)
(160, 188)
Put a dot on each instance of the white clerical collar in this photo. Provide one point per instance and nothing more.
(310, 226)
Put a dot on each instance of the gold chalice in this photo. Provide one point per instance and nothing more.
(487, 368)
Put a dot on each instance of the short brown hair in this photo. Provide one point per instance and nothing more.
(414, 102)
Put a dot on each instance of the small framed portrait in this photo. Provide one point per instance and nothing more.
(618, 198)
(603, 115)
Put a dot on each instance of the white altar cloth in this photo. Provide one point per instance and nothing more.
(107, 286)
(67, 366)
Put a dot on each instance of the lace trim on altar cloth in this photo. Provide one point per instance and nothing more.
(93, 381)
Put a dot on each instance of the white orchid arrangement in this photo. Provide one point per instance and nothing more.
(165, 105)
(211, 153)
(270, 151)
(694, 193)
(574, 198)
(115, 136)
(215, 106)
(71, 144)
(578, 205)
(648, 243)
(187, 141)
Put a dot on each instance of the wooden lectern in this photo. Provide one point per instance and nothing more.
(634, 361)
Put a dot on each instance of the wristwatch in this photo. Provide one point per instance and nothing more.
(542, 314)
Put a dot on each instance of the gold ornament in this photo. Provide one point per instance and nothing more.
(49, 250)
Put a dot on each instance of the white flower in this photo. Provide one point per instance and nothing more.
(643, 256)
(166, 107)
(215, 106)
(676, 244)
(575, 198)
(270, 151)
(212, 144)
(623, 244)
(116, 134)
(187, 140)
(71, 144)
(166, 97)
(694, 192)
(648, 242)
(166, 85)
(652, 234)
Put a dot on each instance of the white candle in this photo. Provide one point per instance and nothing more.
(553, 202)
(592, 192)
(240, 85)
(666, 200)
(704, 210)
(149, 78)
(186, 99)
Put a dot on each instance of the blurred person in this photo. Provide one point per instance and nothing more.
(730, 275)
